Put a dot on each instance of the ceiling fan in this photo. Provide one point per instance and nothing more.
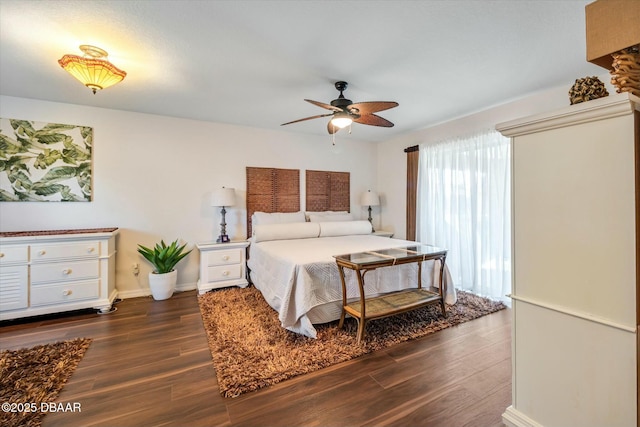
(344, 112)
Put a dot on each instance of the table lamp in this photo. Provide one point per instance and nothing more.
(370, 198)
(223, 197)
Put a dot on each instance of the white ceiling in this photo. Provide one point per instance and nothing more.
(253, 62)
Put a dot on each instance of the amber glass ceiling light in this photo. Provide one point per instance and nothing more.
(92, 69)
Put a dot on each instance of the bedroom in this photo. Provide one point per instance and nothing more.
(154, 173)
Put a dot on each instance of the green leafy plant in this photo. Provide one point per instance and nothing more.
(164, 257)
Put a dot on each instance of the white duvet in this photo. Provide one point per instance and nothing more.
(299, 277)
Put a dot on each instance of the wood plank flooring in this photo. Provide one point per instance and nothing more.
(149, 365)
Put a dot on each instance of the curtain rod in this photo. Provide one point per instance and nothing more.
(410, 149)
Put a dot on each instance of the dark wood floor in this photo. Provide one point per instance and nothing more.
(150, 365)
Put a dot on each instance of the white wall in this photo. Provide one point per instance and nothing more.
(153, 177)
(392, 161)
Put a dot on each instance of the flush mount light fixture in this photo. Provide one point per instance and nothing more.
(92, 69)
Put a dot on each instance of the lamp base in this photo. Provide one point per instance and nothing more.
(223, 238)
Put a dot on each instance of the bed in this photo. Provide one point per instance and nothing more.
(291, 263)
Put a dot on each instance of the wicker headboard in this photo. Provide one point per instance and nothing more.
(272, 190)
(278, 190)
(327, 191)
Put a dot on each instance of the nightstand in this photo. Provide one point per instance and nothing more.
(222, 265)
(383, 233)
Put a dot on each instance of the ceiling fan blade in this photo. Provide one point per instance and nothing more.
(373, 106)
(373, 120)
(323, 105)
(307, 118)
(331, 128)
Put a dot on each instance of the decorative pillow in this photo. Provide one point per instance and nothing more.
(331, 218)
(344, 228)
(261, 218)
(295, 230)
(323, 213)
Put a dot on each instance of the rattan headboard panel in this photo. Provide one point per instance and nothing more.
(272, 190)
(327, 191)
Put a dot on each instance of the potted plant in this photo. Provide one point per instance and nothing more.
(163, 257)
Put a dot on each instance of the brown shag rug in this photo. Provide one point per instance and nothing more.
(31, 377)
(251, 350)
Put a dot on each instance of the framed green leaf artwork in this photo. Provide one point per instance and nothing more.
(44, 162)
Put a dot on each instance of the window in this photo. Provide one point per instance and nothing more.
(464, 205)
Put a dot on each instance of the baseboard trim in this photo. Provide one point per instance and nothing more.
(181, 287)
(514, 418)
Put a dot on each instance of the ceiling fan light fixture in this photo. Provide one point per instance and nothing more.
(344, 112)
(341, 120)
(92, 70)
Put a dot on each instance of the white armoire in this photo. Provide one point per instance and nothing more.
(575, 265)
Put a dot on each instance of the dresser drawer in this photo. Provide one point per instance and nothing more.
(68, 292)
(73, 250)
(225, 272)
(64, 271)
(11, 254)
(228, 256)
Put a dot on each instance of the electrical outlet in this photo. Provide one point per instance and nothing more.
(136, 268)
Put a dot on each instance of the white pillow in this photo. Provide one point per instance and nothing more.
(295, 230)
(344, 228)
(323, 213)
(261, 218)
(331, 218)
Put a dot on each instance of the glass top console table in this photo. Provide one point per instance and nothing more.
(369, 308)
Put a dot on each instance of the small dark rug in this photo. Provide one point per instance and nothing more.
(30, 377)
(251, 350)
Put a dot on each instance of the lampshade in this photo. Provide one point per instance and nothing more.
(341, 120)
(370, 198)
(223, 197)
(91, 69)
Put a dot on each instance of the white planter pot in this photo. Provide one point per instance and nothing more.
(163, 285)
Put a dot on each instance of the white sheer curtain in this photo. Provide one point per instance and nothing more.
(464, 205)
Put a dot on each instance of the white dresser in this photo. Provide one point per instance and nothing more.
(43, 272)
(222, 265)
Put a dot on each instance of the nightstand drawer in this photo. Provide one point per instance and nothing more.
(223, 257)
(10, 254)
(225, 272)
(74, 250)
(68, 292)
(55, 272)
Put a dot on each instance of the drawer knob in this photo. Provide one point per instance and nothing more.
(67, 292)
(67, 271)
(225, 273)
(1, 255)
(42, 252)
(225, 258)
(91, 249)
